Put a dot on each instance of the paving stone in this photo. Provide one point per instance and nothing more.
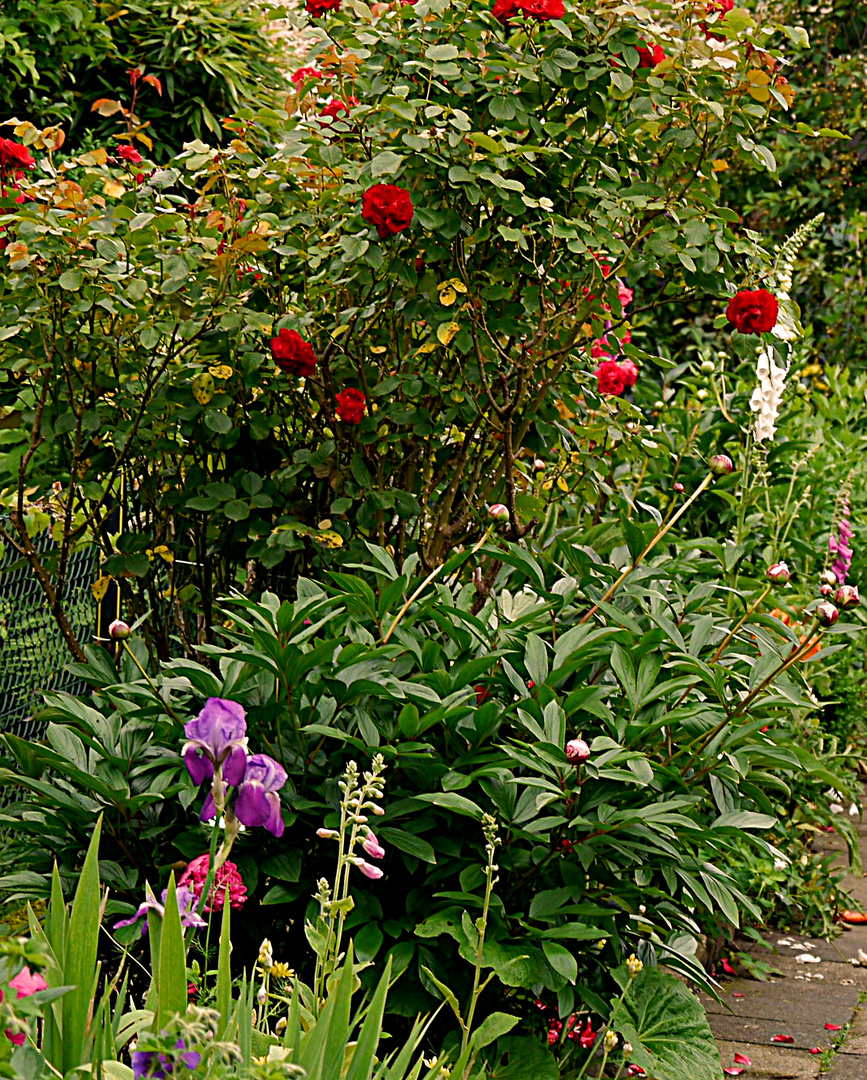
(846, 1067)
(757, 1031)
(829, 1001)
(776, 1063)
(838, 951)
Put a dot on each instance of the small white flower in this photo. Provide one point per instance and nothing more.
(854, 810)
(780, 864)
(835, 808)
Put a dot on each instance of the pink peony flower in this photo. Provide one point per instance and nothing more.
(194, 878)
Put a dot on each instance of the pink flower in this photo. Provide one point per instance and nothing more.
(630, 371)
(129, 153)
(624, 295)
(372, 846)
(611, 378)
(304, 73)
(577, 751)
(194, 877)
(372, 872)
(24, 984)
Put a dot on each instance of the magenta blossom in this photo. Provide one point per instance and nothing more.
(369, 870)
(24, 984)
(186, 906)
(152, 1064)
(840, 544)
(196, 873)
(219, 734)
(257, 802)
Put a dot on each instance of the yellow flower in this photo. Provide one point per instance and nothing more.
(282, 971)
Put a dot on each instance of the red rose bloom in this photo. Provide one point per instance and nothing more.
(334, 108)
(293, 354)
(315, 8)
(650, 55)
(129, 153)
(753, 311)
(723, 7)
(612, 379)
(504, 10)
(388, 207)
(15, 155)
(304, 73)
(630, 372)
(350, 406)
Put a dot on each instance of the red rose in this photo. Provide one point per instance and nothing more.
(650, 55)
(334, 108)
(612, 379)
(753, 311)
(304, 73)
(292, 353)
(504, 10)
(630, 371)
(723, 7)
(129, 153)
(350, 406)
(315, 8)
(14, 154)
(388, 207)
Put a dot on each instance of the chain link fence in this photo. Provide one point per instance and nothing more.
(33, 654)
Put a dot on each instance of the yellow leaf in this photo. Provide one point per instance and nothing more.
(163, 553)
(564, 411)
(446, 332)
(719, 165)
(448, 291)
(221, 371)
(106, 106)
(324, 524)
(203, 387)
(145, 140)
(428, 347)
(378, 350)
(328, 539)
(447, 297)
(113, 189)
(100, 586)
(561, 484)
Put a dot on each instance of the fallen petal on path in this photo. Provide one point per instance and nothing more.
(808, 958)
(733, 1072)
(833, 1027)
(742, 1059)
(854, 917)
(783, 1038)
(815, 1049)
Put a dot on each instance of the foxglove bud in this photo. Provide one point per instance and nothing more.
(721, 465)
(498, 512)
(634, 966)
(577, 751)
(779, 573)
(826, 590)
(610, 1040)
(828, 577)
(119, 630)
(826, 613)
(847, 596)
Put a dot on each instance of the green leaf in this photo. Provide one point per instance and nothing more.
(668, 1029)
(386, 163)
(70, 280)
(492, 1027)
(80, 968)
(744, 819)
(410, 843)
(172, 983)
(520, 1057)
(224, 973)
(561, 960)
(450, 801)
(439, 53)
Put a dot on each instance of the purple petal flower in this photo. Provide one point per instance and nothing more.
(154, 1065)
(257, 802)
(186, 906)
(219, 734)
(368, 870)
(372, 846)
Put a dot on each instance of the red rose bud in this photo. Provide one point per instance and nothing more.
(826, 613)
(779, 573)
(721, 465)
(119, 630)
(753, 311)
(293, 354)
(679, 488)
(577, 751)
(650, 55)
(828, 577)
(847, 596)
(388, 208)
(826, 590)
(315, 8)
(498, 512)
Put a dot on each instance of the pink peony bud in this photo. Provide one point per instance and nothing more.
(372, 872)
(498, 512)
(826, 613)
(847, 596)
(372, 846)
(720, 465)
(828, 577)
(119, 630)
(826, 590)
(779, 573)
(577, 751)
(678, 487)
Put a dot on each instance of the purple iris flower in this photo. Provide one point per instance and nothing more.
(220, 733)
(152, 1064)
(257, 801)
(186, 907)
